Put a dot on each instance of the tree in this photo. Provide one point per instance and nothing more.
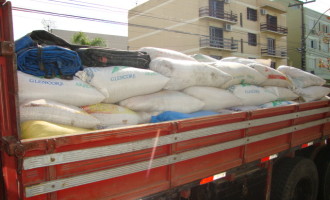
(82, 39)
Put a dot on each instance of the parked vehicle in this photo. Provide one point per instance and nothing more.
(274, 153)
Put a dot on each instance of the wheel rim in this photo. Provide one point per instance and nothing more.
(303, 190)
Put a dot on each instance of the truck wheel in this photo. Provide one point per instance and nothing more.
(322, 162)
(294, 179)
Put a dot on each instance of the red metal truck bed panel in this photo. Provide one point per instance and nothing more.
(157, 179)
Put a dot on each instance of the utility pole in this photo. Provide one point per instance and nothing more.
(303, 31)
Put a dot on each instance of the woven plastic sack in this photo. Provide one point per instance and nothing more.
(164, 101)
(300, 78)
(243, 108)
(277, 104)
(70, 92)
(213, 98)
(55, 112)
(41, 129)
(274, 77)
(184, 73)
(145, 117)
(204, 58)
(252, 95)
(246, 61)
(111, 114)
(312, 93)
(166, 53)
(241, 74)
(283, 94)
(119, 83)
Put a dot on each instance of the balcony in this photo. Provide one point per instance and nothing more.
(220, 44)
(228, 17)
(279, 30)
(273, 5)
(282, 53)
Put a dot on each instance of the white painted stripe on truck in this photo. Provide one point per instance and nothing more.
(60, 184)
(99, 152)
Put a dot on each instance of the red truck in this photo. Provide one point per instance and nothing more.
(272, 154)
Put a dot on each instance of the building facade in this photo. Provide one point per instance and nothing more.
(218, 28)
(316, 35)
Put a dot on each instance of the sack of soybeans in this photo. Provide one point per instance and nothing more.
(163, 101)
(166, 53)
(213, 98)
(183, 73)
(274, 77)
(300, 78)
(70, 92)
(252, 95)
(52, 111)
(111, 114)
(241, 74)
(118, 83)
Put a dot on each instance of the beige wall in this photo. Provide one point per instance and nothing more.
(148, 21)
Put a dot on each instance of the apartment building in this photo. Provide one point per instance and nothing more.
(317, 41)
(218, 28)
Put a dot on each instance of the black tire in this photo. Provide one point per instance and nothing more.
(294, 179)
(322, 162)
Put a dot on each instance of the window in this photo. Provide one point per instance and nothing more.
(313, 44)
(271, 46)
(251, 14)
(252, 39)
(273, 65)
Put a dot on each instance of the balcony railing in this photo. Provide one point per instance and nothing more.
(221, 15)
(273, 28)
(282, 53)
(219, 43)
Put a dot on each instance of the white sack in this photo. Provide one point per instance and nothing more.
(166, 53)
(119, 83)
(111, 114)
(246, 61)
(274, 77)
(204, 58)
(252, 95)
(243, 108)
(184, 73)
(283, 94)
(54, 112)
(145, 117)
(277, 104)
(241, 74)
(214, 98)
(300, 78)
(312, 93)
(164, 101)
(70, 92)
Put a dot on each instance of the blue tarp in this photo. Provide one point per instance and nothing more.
(47, 61)
(172, 115)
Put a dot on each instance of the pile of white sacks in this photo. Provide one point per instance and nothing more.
(110, 97)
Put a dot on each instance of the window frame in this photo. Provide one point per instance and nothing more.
(252, 39)
(252, 14)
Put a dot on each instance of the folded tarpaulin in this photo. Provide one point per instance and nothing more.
(103, 57)
(172, 115)
(49, 61)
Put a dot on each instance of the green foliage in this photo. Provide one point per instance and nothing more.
(82, 39)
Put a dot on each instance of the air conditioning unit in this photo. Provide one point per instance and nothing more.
(227, 1)
(228, 27)
(263, 11)
(313, 31)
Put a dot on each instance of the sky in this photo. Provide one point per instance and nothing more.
(27, 15)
